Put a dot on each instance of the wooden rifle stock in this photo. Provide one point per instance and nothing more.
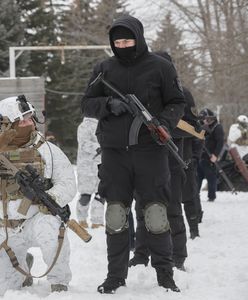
(190, 129)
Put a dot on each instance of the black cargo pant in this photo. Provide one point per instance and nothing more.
(175, 216)
(207, 169)
(192, 206)
(145, 170)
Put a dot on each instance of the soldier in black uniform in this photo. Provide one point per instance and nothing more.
(179, 183)
(142, 167)
(175, 214)
(214, 143)
(184, 189)
(192, 148)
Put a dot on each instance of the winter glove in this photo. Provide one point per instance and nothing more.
(6, 137)
(116, 106)
(84, 199)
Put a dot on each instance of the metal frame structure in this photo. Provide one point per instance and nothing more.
(13, 57)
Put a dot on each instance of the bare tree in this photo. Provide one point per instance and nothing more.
(169, 38)
(221, 30)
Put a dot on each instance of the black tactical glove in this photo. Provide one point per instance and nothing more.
(84, 199)
(116, 106)
(65, 213)
(198, 126)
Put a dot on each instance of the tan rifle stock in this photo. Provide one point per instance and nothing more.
(190, 129)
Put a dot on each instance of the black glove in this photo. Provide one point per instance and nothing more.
(116, 106)
(198, 126)
(65, 213)
(84, 199)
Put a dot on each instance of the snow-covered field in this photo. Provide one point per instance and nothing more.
(217, 266)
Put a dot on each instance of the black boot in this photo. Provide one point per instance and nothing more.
(200, 215)
(194, 233)
(138, 260)
(180, 266)
(165, 279)
(211, 199)
(59, 288)
(110, 285)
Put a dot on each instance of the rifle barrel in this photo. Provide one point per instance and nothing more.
(222, 173)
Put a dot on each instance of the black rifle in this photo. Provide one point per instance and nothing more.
(221, 172)
(137, 109)
(32, 186)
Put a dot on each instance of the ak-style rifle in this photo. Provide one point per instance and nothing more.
(142, 115)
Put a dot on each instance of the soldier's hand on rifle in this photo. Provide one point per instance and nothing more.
(6, 137)
(65, 213)
(213, 158)
(116, 106)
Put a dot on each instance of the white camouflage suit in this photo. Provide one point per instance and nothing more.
(87, 170)
(40, 230)
(234, 136)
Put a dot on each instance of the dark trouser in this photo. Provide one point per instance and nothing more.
(131, 231)
(175, 217)
(144, 238)
(207, 169)
(192, 206)
(141, 243)
(144, 170)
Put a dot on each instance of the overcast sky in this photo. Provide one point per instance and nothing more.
(150, 13)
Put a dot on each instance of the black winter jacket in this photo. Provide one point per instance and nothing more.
(151, 78)
(214, 141)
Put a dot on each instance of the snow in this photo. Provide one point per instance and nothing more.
(217, 262)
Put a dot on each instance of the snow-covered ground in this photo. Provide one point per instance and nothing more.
(217, 266)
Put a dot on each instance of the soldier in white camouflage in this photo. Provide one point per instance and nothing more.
(25, 224)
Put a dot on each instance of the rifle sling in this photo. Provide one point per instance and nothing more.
(14, 260)
(9, 251)
(5, 209)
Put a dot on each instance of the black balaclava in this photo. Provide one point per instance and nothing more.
(121, 32)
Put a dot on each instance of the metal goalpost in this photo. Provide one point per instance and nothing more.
(13, 56)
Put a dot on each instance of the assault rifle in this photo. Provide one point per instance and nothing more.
(32, 186)
(142, 115)
(222, 173)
